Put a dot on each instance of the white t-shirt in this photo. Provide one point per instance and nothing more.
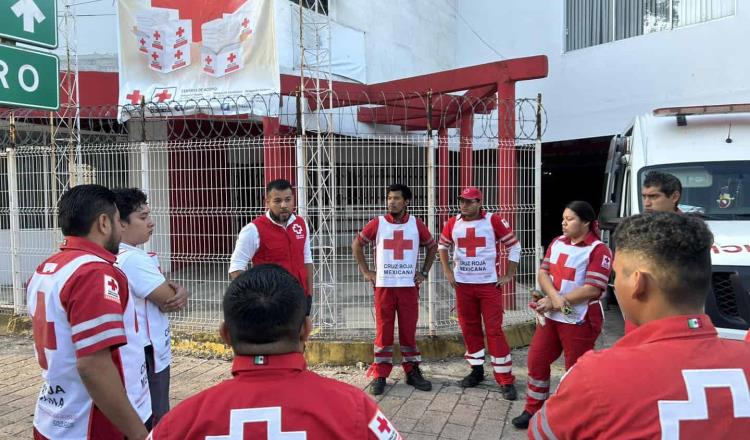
(144, 276)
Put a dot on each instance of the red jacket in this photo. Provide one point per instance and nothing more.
(283, 246)
(276, 397)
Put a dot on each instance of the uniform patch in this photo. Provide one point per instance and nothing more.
(606, 262)
(382, 428)
(694, 323)
(505, 223)
(49, 268)
(111, 289)
(298, 230)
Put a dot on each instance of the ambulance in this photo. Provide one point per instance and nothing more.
(708, 149)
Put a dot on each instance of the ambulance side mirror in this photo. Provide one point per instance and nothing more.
(608, 216)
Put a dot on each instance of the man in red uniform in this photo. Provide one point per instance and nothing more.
(84, 329)
(672, 377)
(396, 237)
(271, 394)
(278, 237)
(476, 236)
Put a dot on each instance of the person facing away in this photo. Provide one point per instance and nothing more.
(84, 328)
(271, 393)
(279, 236)
(153, 294)
(672, 377)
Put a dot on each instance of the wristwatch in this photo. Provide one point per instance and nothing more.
(424, 273)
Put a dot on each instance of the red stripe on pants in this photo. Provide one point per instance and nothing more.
(483, 302)
(391, 302)
(553, 338)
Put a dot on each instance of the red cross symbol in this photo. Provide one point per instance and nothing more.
(383, 425)
(180, 31)
(471, 242)
(155, 56)
(163, 95)
(199, 11)
(398, 245)
(178, 54)
(143, 42)
(134, 97)
(231, 57)
(208, 60)
(245, 22)
(44, 332)
(560, 272)
(112, 285)
(157, 35)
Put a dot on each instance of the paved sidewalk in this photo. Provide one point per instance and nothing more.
(446, 412)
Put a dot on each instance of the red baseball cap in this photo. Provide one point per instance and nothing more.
(471, 193)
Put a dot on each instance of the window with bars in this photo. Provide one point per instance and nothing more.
(592, 22)
(320, 6)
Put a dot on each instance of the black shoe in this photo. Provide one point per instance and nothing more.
(377, 387)
(522, 421)
(474, 378)
(509, 392)
(415, 379)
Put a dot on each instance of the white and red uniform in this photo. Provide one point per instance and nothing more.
(79, 304)
(570, 266)
(275, 397)
(671, 378)
(396, 254)
(476, 245)
(265, 241)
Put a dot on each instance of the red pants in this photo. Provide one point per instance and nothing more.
(390, 302)
(484, 302)
(549, 341)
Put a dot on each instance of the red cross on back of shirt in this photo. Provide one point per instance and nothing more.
(398, 245)
(471, 242)
(560, 272)
(44, 332)
(383, 425)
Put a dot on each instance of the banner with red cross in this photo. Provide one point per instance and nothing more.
(183, 55)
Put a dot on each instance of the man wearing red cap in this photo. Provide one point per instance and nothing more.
(475, 236)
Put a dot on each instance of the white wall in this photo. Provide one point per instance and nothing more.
(597, 90)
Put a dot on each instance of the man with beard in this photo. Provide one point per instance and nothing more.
(84, 328)
(476, 236)
(396, 237)
(277, 237)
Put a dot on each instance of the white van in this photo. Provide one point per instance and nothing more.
(708, 149)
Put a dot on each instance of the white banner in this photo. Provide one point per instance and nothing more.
(197, 56)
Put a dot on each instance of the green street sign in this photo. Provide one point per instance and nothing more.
(29, 78)
(30, 21)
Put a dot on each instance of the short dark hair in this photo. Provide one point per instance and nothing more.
(264, 304)
(405, 190)
(583, 210)
(128, 201)
(80, 207)
(667, 183)
(278, 185)
(678, 246)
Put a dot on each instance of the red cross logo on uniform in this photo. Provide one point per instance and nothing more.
(560, 272)
(163, 95)
(208, 60)
(231, 57)
(134, 97)
(112, 285)
(471, 242)
(157, 35)
(383, 426)
(178, 54)
(180, 31)
(398, 245)
(44, 332)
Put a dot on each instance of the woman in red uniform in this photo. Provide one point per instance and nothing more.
(572, 277)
